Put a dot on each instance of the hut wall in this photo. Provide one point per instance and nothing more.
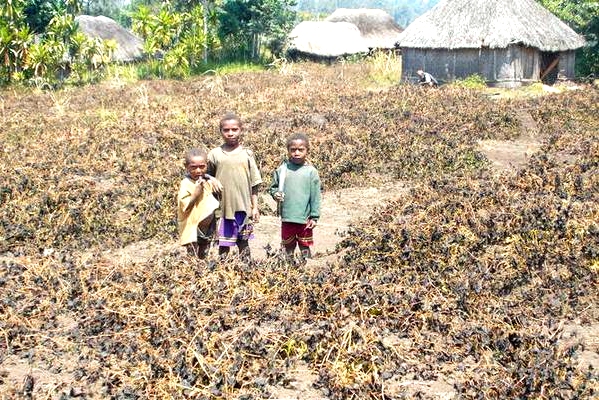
(447, 65)
(566, 64)
(530, 63)
(487, 63)
(466, 63)
(511, 65)
(411, 61)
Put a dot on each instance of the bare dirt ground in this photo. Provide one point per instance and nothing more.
(339, 209)
(514, 153)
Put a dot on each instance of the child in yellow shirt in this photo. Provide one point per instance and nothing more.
(196, 204)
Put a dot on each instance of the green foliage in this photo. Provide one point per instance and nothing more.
(61, 47)
(44, 57)
(247, 25)
(235, 67)
(15, 38)
(181, 39)
(474, 81)
(583, 17)
(92, 59)
(39, 13)
(150, 69)
(122, 73)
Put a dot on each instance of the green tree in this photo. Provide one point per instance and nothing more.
(39, 13)
(15, 39)
(45, 59)
(583, 17)
(245, 24)
(60, 46)
(181, 38)
(142, 20)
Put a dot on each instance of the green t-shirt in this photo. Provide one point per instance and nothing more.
(302, 192)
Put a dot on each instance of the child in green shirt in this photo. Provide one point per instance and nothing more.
(296, 187)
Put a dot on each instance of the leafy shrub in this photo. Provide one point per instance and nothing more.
(474, 81)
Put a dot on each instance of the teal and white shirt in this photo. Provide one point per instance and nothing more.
(302, 192)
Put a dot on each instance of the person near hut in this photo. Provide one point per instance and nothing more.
(235, 167)
(296, 188)
(196, 204)
(426, 79)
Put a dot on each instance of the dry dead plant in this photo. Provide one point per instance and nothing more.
(468, 277)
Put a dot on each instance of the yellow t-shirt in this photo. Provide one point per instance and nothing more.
(204, 208)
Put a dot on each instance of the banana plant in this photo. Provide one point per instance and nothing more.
(6, 38)
(176, 63)
(14, 37)
(167, 27)
(142, 21)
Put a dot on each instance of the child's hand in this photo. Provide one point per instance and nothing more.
(311, 224)
(279, 196)
(216, 185)
(199, 188)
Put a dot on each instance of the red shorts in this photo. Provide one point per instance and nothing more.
(292, 234)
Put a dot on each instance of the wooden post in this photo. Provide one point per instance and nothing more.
(549, 68)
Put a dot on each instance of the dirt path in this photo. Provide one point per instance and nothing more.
(339, 208)
(508, 154)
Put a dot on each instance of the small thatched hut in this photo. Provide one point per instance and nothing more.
(506, 42)
(129, 46)
(325, 40)
(378, 29)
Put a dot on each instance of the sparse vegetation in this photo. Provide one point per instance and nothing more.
(467, 279)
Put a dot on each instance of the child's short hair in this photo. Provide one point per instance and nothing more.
(230, 116)
(298, 136)
(195, 152)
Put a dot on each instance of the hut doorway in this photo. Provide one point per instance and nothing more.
(549, 67)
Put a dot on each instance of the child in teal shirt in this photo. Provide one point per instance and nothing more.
(296, 187)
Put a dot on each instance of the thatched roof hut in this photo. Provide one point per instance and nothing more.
(323, 39)
(378, 29)
(129, 46)
(506, 42)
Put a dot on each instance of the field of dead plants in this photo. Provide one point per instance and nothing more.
(475, 283)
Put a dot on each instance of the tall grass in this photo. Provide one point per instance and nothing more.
(155, 69)
(385, 68)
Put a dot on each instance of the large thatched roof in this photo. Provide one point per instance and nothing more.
(129, 46)
(326, 39)
(454, 24)
(377, 27)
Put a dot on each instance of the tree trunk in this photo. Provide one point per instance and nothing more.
(255, 46)
(205, 15)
